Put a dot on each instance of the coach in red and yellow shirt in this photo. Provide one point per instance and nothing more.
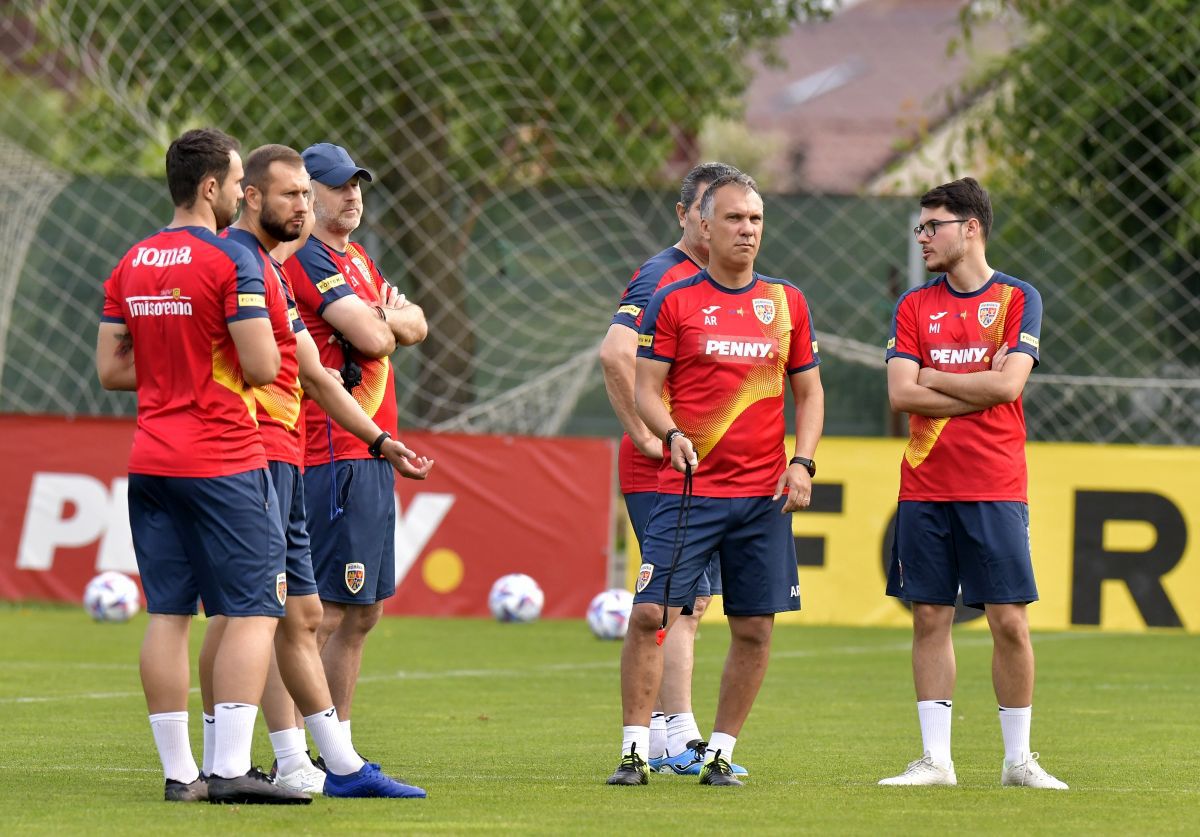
(349, 491)
(714, 353)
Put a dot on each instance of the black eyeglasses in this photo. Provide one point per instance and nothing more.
(930, 228)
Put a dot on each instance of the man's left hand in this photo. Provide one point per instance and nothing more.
(799, 485)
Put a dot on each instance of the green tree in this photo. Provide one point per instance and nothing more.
(1097, 112)
(449, 103)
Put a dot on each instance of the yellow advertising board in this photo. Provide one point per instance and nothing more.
(1109, 530)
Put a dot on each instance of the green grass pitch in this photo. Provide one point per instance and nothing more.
(513, 729)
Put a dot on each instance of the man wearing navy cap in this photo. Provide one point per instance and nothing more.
(357, 319)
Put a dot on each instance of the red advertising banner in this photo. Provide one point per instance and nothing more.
(493, 505)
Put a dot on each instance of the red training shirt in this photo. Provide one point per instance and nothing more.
(729, 351)
(176, 292)
(977, 456)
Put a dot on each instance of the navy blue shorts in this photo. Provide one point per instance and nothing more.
(982, 547)
(755, 544)
(216, 538)
(351, 510)
(639, 505)
(289, 488)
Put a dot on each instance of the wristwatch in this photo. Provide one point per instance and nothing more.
(376, 447)
(809, 465)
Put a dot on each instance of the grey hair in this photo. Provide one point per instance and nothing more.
(703, 173)
(709, 198)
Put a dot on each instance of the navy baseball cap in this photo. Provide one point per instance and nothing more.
(331, 164)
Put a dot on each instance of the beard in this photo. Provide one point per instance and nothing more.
(276, 227)
(335, 222)
(943, 262)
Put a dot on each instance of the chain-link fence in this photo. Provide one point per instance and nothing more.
(525, 156)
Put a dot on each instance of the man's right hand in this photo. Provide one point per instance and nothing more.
(683, 453)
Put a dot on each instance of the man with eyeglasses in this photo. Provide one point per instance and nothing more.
(961, 348)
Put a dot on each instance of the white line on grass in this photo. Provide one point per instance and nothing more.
(550, 668)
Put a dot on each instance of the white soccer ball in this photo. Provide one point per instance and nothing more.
(608, 614)
(516, 598)
(112, 597)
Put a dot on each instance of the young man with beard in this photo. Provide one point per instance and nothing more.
(275, 208)
(349, 491)
(675, 742)
(713, 355)
(185, 324)
(962, 347)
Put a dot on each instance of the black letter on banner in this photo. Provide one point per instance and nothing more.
(826, 498)
(1141, 571)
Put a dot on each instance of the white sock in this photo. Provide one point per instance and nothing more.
(635, 739)
(658, 736)
(290, 752)
(935, 716)
(722, 743)
(346, 726)
(301, 741)
(235, 734)
(170, 731)
(210, 741)
(1014, 726)
(333, 740)
(681, 731)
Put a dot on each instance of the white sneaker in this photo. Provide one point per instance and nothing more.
(1030, 774)
(307, 779)
(924, 771)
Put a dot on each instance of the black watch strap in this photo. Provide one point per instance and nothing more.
(808, 464)
(376, 447)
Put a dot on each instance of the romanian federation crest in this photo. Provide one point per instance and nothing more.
(644, 575)
(987, 313)
(764, 309)
(356, 575)
(281, 587)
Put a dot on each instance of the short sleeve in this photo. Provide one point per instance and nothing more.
(902, 339)
(1023, 331)
(316, 279)
(659, 335)
(635, 299)
(803, 354)
(246, 293)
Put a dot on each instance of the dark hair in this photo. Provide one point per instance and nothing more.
(195, 155)
(710, 196)
(259, 161)
(703, 173)
(963, 198)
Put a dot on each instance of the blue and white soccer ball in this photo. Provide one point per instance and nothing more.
(608, 614)
(112, 597)
(516, 598)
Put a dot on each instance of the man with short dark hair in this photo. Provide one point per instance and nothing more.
(961, 348)
(185, 325)
(676, 745)
(275, 210)
(713, 354)
(356, 319)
